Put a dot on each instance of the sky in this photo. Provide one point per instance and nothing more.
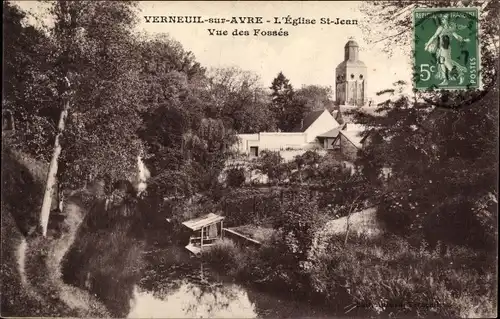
(308, 55)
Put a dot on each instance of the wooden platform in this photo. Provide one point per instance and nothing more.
(194, 249)
(242, 236)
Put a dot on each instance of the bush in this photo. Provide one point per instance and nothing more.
(269, 163)
(22, 188)
(235, 176)
(388, 275)
(309, 158)
(225, 254)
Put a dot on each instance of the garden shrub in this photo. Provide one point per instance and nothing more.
(235, 176)
(391, 276)
(224, 253)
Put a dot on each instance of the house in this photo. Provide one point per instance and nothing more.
(308, 134)
(351, 138)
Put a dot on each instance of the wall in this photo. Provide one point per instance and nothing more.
(323, 124)
(289, 155)
(328, 143)
(347, 148)
(280, 141)
(277, 141)
(271, 141)
(244, 139)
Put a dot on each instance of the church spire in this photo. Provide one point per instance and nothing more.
(351, 50)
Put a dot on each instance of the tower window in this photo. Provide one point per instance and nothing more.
(352, 76)
(361, 76)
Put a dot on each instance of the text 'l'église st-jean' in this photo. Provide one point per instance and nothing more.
(294, 21)
(250, 20)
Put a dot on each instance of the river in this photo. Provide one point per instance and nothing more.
(176, 285)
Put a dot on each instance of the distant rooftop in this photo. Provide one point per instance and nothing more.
(308, 121)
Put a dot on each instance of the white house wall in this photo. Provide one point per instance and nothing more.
(271, 141)
(243, 141)
(324, 123)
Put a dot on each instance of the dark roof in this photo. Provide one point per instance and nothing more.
(307, 121)
(351, 43)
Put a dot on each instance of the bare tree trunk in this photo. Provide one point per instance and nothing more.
(51, 176)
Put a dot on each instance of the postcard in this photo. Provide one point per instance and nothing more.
(250, 159)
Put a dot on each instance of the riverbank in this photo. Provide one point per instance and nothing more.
(31, 279)
(385, 276)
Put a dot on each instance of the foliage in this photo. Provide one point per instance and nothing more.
(438, 178)
(96, 57)
(316, 97)
(288, 109)
(237, 97)
(223, 253)
(235, 176)
(22, 188)
(440, 149)
(242, 206)
(390, 276)
(30, 88)
(298, 221)
(309, 158)
(269, 163)
(189, 147)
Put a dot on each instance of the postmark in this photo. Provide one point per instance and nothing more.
(446, 48)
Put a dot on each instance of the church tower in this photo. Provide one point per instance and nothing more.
(350, 83)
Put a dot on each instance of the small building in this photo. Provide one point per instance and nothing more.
(328, 139)
(350, 139)
(303, 137)
(205, 230)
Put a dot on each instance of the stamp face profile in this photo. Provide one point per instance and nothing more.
(446, 48)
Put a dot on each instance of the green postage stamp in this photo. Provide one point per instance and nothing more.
(446, 48)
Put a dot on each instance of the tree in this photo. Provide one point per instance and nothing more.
(94, 54)
(316, 97)
(189, 147)
(102, 127)
(237, 97)
(439, 148)
(269, 163)
(30, 88)
(282, 96)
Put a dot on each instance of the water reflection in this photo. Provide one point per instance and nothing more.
(194, 301)
(177, 286)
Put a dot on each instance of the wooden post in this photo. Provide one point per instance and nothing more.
(201, 272)
(201, 240)
(221, 229)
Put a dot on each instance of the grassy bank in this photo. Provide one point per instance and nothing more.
(31, 281)
(384, 275)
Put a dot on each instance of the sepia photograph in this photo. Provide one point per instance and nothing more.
(250, 159)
